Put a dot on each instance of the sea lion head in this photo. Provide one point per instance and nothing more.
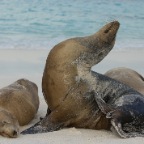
(27, 84)
(9, 126)
(98, 45)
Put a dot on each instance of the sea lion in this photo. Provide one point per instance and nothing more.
(73, 92)
(126, 114)
(127, 76)
(68, 81)
(19, 103)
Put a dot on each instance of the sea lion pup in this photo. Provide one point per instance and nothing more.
(68, 81)
(126, 114)
(19, 103)
(127, 76)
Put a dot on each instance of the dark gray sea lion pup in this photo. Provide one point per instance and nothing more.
(126, 113)
(127, 76)
(19, 103)
(68, 82)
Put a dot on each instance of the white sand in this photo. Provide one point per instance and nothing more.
(16, 64)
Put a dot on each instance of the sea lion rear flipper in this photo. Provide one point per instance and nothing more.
(117, 127)
(105, 108)
(45, 125)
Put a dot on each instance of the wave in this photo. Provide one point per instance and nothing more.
(31, 42)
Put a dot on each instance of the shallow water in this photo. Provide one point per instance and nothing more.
(40, 24)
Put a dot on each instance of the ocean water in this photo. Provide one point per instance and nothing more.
(40, 24)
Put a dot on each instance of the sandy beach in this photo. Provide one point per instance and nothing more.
(29, 64)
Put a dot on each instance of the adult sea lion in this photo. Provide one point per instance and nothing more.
(19, 103)
(127, 76)
(79, 97)
(68, 82)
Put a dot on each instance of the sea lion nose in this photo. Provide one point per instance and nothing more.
(113, 26)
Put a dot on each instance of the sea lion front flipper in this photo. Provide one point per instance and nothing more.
(45, 125)
(105, 108)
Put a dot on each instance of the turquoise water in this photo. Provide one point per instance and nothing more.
(40, 24)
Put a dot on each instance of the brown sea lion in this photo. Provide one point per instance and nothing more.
(19, 103)
(68, 82)
(127, 76)
(79, 97)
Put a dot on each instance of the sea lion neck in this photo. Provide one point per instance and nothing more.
(97, 46)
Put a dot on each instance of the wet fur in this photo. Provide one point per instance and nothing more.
(121, 105)
(126, 111)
